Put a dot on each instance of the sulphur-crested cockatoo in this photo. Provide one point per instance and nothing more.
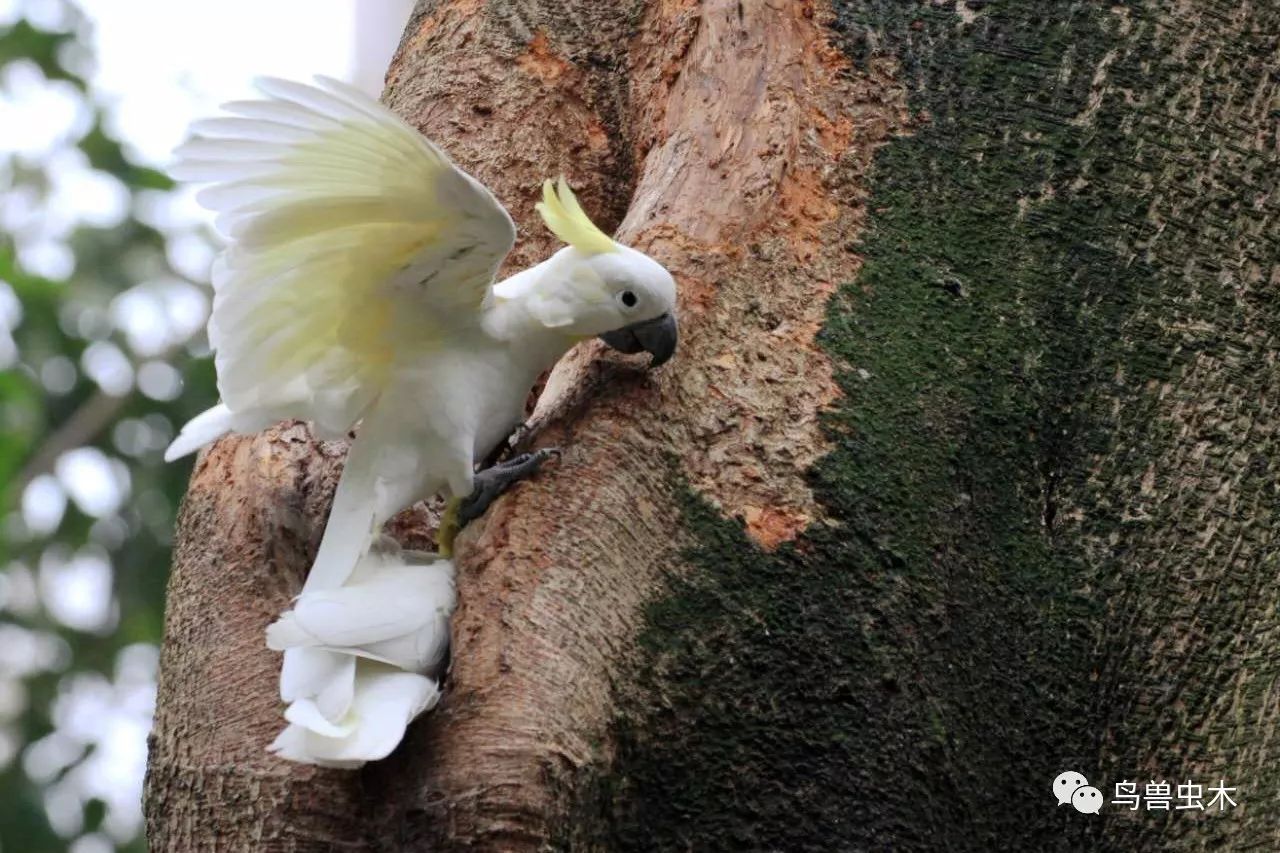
(380, 641)
(358, 285)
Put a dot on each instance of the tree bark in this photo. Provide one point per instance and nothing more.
(964, 474)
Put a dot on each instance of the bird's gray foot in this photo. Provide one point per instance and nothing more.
(492, 482)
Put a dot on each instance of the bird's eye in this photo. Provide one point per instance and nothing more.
(628, 298)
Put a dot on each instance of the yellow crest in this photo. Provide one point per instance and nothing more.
(566, 219)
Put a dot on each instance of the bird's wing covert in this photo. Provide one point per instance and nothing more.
(350, 238)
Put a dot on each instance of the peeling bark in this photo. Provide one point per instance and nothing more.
(783, 585)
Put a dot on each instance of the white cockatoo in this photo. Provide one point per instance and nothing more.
(358, 285)
(383, 636)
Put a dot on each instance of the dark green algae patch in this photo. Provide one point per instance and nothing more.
(915, 675)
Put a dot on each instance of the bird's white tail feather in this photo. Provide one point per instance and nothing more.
(386, 701)
(394, 608)
(305, 713)
(361, 660)
(199, 431)
(349, 529)
(286, 633)
(307, 672)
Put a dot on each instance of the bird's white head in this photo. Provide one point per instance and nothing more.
(598, 287)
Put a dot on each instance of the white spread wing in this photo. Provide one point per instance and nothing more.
(351, 239)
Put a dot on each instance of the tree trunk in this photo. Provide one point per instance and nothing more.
(964, 474)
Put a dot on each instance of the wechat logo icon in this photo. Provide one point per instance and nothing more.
(1071, 787)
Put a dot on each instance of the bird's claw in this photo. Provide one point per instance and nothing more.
(493, 481)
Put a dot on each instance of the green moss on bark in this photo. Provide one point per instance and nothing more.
(1053, 479)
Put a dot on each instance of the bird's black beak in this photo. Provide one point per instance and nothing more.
(657, 337)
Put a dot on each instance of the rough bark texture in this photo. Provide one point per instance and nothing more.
(245, 533)
(964, 474)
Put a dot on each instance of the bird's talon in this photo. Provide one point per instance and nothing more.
(492, 482)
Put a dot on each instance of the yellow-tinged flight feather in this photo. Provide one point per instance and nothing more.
(351, 239)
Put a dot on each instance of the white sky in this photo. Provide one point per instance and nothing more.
(165, 62)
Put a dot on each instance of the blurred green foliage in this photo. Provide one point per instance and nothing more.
(51, 405)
